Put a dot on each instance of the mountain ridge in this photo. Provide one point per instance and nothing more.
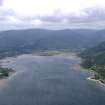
(13, 42)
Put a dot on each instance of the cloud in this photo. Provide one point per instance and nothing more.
(1, 2)
(86, 15)
(56, 14)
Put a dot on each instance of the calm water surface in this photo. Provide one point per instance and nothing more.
(43, 80)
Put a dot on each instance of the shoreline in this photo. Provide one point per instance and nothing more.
(67, 55)
(97, 81)
(4, 79)
(8, 71)
(92, 78)
(11, 72)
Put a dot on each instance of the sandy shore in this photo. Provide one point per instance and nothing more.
(70, 55)
(3, 80)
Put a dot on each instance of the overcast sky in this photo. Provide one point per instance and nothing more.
(52, 14)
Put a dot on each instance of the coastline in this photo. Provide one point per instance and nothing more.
(4, 80)
(11, 72)
(97, 81)
(92, 78)
(67, 55)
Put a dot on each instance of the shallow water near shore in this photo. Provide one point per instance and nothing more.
(49, 80)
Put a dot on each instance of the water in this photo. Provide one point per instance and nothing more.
(49, 81)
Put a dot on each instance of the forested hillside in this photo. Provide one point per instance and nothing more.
(94, 59)
(26, 41)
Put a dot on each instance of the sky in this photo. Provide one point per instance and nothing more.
(52, 14)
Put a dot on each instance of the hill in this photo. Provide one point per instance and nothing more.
(94, 59)
(25, 41)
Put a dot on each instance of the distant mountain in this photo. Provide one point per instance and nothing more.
(24, 41)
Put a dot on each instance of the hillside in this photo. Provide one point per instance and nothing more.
(94, 59)
(25, 41)
(95, 55)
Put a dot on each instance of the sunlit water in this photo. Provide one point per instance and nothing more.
(43, 80)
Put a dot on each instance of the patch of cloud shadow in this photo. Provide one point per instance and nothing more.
(50, 19)
(88, 15)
